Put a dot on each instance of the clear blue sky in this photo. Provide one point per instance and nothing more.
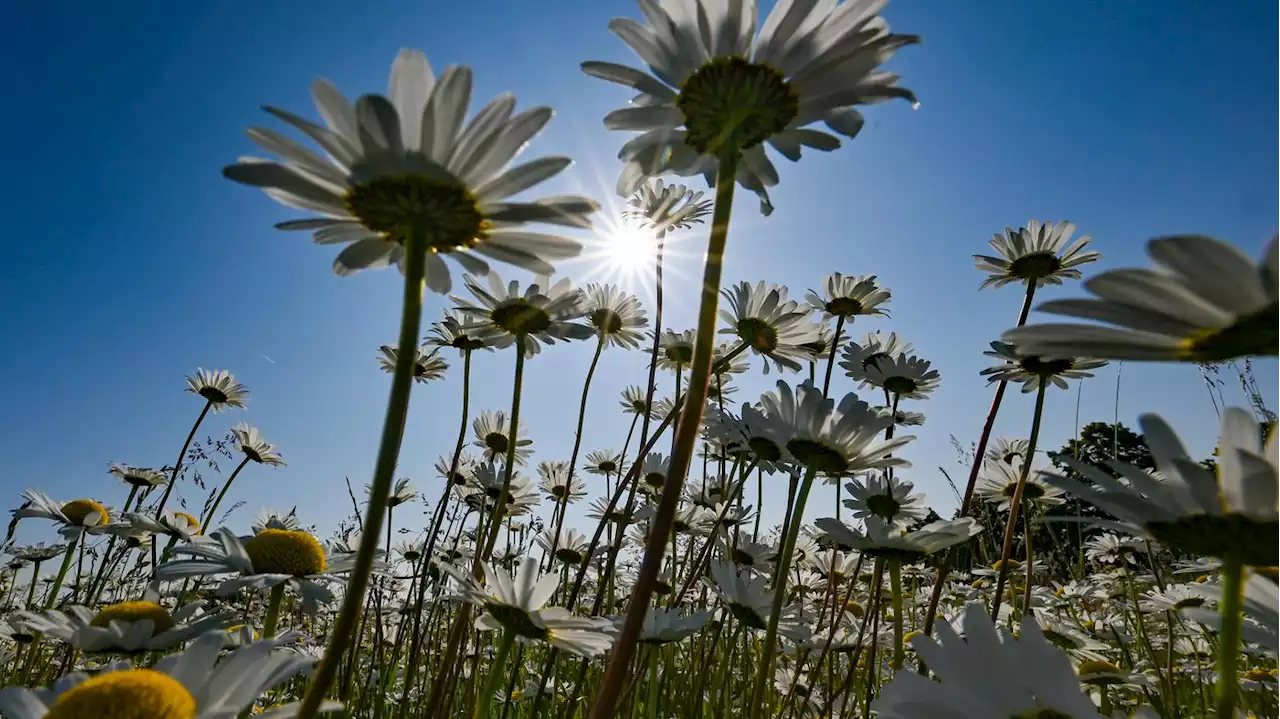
(129, 261)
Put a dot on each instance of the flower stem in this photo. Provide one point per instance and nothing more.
(491, 683)
(384, 469)
(273, 612)
(831, 361)
(213, 511)
(67, 556)
(978, 452)
(895, 586)
(686, 437)
(1006, 552)
(780, 592)
(1229, 635)
(500, 507)
(577, 446)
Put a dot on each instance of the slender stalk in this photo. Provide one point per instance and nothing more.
(577, 445)
(1229, 636)
(67, 556)
(1016, 503)
(177, 465)
(500, 507)
(384, 469)
(831, 361)
(895, 587)
(780, 593)
(686, 437)
(213, 510)
(492, 682)
(978, 452)
(273, 612)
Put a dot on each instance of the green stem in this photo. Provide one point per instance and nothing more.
(1229, 635)
(895, 586)
(831, 361)
(213, 511)
(384, 469)
(35, 580)
(687, 432)
(577, 446)
(67, 556)
(499, 508)
(1007, 551)
(780, 593)
(273, 612)
(491, 683)
(177, 466)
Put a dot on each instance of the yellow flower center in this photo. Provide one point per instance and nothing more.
(135, 612)
(444, 209)
(192, 522)
(732, 101)
(906, 638)
(1097, 666)
(78, 509)
(1013, 564)
(1253, 334)
(1261, 675)
(129, 694)
(284, 551)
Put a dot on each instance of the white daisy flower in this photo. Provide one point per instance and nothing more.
(717, 86)
(1019, 365)
(599, 510)
(140, 477)
(764, 319)
(848, 296)
(604, 462)
(1036, 679)
(663, 626)
(411, 160)
(401, 492)
(39, 552)
(488, 478)
(75, 516)
(833, 440)
(1035, 254)
(268, 518)
(1232, 514)
(746, 597)
(219, 388)
(452, 332)
(1206, 301)
(571, 549)
(744, 552)
(129, 627)
(1007, 449)
(269, 558)
(888, 497)
(1176, 597)
(427, 363)
(882, 540)
(557, 483)
(634, 400)
(653, 472)
(615, 316)
(675, 349)
(901, 375)
(543, 313)
(191, 685)
(517, 603)
(998, 481)
(1262, 623)
(664, 208)
(751, 434)
(859, 357)
(177, 525)
(493, 435)
(458, 475)
(255, 447)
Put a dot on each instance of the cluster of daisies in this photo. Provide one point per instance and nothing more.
(635, 579)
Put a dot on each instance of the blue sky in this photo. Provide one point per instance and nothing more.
(129, 261)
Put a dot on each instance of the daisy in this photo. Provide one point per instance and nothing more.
(859, 357)
(744, 552)
(848, 296)
(219, 389)
(191, 685)
(267, 518)
(1007, 449)
(600, 511)
(427, 363)
(998, 481)
(401, 492)
(517, 603)
(905, 418)
(458, 475)
(1205, 302)
(129, 627)
(718, 90)
(254, 447)
(558, 484)
(571, 549)
(604, 462)
(269, 558)
(1176, 597)
(451, 332)
(653, 472)
(887, 497)
(1035, 255)
(831, 440)
(663, 208)
(675, 349)
(74, 516)
(489, 479)
(881, 540)
(1230, 515)
(663, 626)
(903, 376)
(1107, 548)
(173, 524)
(1018, 365)
(750, 436)
(766, 321)
(634, 400)
(1036, 678)
(615, 316)
(543, 313)
(493, 435)
(39, 552)
(745, 596)
(411, 161)
(1261, 625)
(140, 477)
(410, 550)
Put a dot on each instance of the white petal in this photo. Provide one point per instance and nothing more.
(521, 177)
(409, 87)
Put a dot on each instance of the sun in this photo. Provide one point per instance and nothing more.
(629, 248)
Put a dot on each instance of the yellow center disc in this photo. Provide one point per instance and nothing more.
(77, 509)
(283, 551)
(135, 612)
(129, 694)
